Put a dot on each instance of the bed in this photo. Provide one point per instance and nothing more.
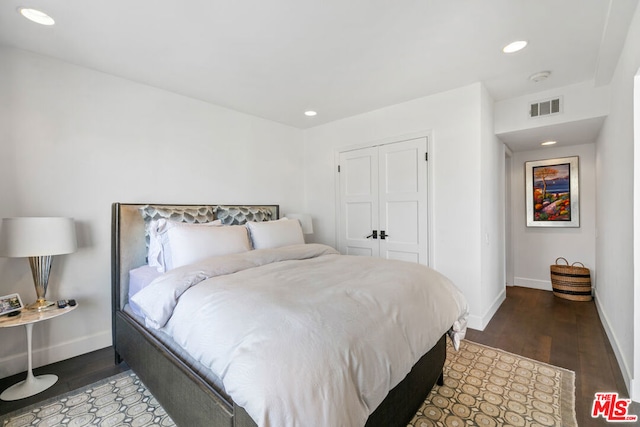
(174, 361)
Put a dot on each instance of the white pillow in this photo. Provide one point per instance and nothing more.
(159, 255)
(196, 242)
(274, 234)
(140, 278)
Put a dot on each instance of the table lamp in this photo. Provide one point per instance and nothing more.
(37, 238)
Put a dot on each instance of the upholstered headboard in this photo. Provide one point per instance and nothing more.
(129, 240)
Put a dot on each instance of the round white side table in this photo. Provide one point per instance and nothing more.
(32, 385)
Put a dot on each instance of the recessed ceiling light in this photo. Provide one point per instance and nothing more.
(310, 113)
(36, 16)
(548, 143)
(514, 46)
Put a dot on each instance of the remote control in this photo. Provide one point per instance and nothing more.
(71, 302)
(62, 303)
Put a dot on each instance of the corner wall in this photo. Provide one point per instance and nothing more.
(618, 283)
(7, 171)
(78, 140)
(492, 205)
(536, 248)
(635, 381)
(456, 122)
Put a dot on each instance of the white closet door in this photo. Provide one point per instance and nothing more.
(403, 200)
(384, 189)
(359, 202)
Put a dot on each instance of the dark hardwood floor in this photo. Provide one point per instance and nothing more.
(569, 334)
(530, 322)
(72, 374)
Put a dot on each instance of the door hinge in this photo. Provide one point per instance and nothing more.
(338, 168)
(426, 157)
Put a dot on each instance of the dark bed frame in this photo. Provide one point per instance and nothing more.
(189, 399)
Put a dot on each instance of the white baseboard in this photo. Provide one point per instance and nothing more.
(17, 363)
(625, 369)
(480, 322)
(544, 285)
(635, 390)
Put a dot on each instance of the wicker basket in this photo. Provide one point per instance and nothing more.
(570, 281)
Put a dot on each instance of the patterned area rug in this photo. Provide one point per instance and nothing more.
(483, 386)
(121, 400)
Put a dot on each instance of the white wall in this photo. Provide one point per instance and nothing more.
(492, 205)
(615, 170)
(75, 140)
(536, 248)
(635, 382)
(456, 122)
(508, 220)
(7, 172)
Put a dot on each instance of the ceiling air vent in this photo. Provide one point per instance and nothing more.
(546, 107)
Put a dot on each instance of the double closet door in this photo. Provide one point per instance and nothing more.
(383, 201)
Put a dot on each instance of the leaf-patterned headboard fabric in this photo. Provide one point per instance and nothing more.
(188, 214)
(235, 215)
(228, 215)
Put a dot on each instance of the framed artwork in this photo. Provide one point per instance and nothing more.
(10, 303)
(552, 193)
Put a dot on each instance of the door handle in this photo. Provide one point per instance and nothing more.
(383, 235)
(373, 234)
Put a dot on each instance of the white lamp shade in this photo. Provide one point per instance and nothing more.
(37, 236)
(305, 222)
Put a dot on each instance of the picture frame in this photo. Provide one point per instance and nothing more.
(10, 303)
(552, 192)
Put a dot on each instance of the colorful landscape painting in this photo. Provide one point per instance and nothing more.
(552, 192)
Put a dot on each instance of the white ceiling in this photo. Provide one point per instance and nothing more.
(277, 58)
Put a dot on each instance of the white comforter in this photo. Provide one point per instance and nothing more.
(301, 335)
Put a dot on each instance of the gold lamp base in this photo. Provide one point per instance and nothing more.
(40, 304)
(40, 268)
